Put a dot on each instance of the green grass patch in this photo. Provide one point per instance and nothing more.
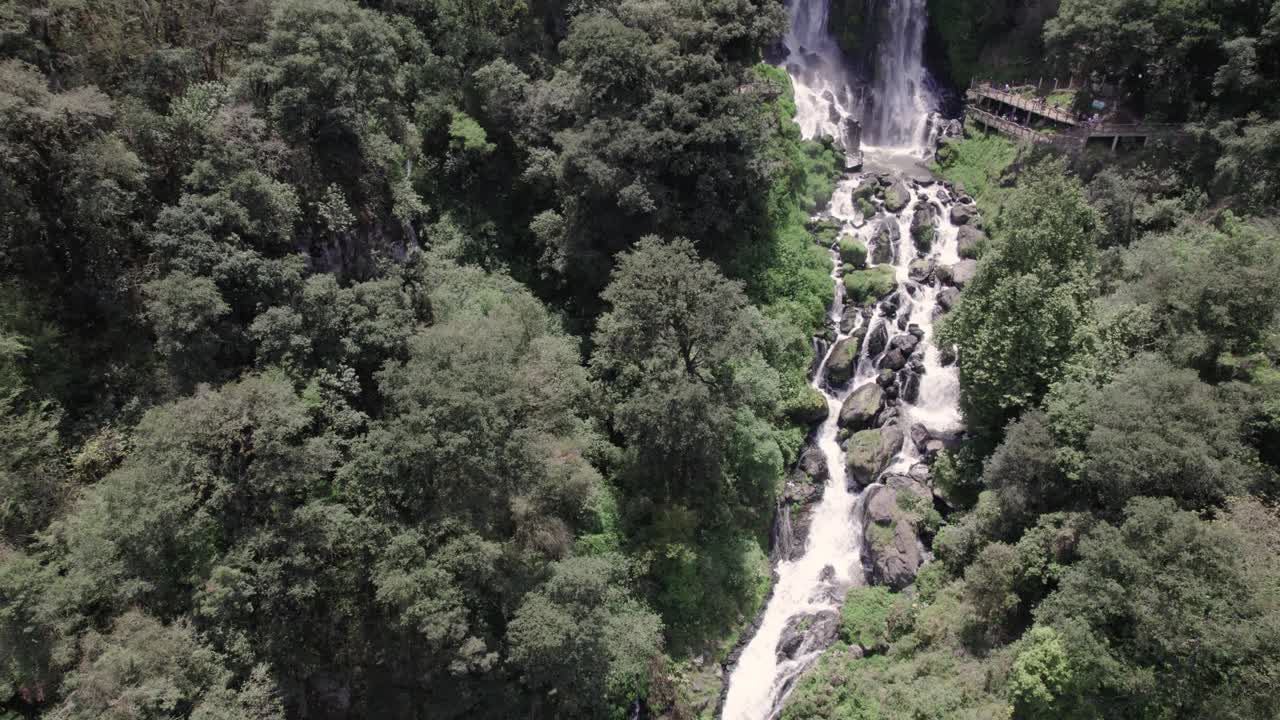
(975, 163)
(882, 535)
(862, 619)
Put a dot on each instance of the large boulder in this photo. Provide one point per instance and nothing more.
(947, 298)
(861, 407)
(909, 381)
(893, 359)
(808, 409)
(885, 241)
(962, 272)
(959, 274)
(896, 196)
(850, 137)
(869, 452)
(963, 214)
(877, 338)
(843, 361)
(805, 634)
(968, 240)
(893, 517)
(906, 342)
(813, 463)
(922, 228)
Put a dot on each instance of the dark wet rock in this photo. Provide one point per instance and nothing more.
(947, 298)
(916, 330)
(886, 378)
(876, 340)
(809, 633)
(947, 355)
(894, 359)
(843, 361)
(910, 384)
(813, 462)
(968, 239)
(905, 342)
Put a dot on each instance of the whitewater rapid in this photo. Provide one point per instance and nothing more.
(897, 119)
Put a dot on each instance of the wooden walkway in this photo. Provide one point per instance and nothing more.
(1008, 127)
(1023, 102)
(1057, 126)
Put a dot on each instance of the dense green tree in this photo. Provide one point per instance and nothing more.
(679, 353)
(1210, 290)
(582, 642)
(1027, 309)
(341, 81)
(1041, 674)
(144, 669)
(1159, 618)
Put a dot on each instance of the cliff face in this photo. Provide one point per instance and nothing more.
(854, 25)
(996, 39)
(1000, 39)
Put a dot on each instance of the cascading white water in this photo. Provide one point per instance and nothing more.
(826, 102)
(831, 563)
(901, 103)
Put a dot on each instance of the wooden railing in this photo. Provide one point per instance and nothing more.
(1008, 127)
(1075, 137)
(1024, 102)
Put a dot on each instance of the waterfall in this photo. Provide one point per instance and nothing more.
(901, 103)
(811, 582)
(896, 111)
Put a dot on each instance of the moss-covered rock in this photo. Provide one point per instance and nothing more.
(885, 241)
(825, 231)
(843, 361)
(864, 286)
(865, 207)
(896, 196)
(861, 407)
(869, 452)
(895, 515)
(853, 251)
(807, 408)
(922, 227)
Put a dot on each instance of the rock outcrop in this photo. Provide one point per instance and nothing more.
(861, 407)
(869, 452)
(893, 517)
(885, 241)
(968, 239)
(843, 361)
(805, 634)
